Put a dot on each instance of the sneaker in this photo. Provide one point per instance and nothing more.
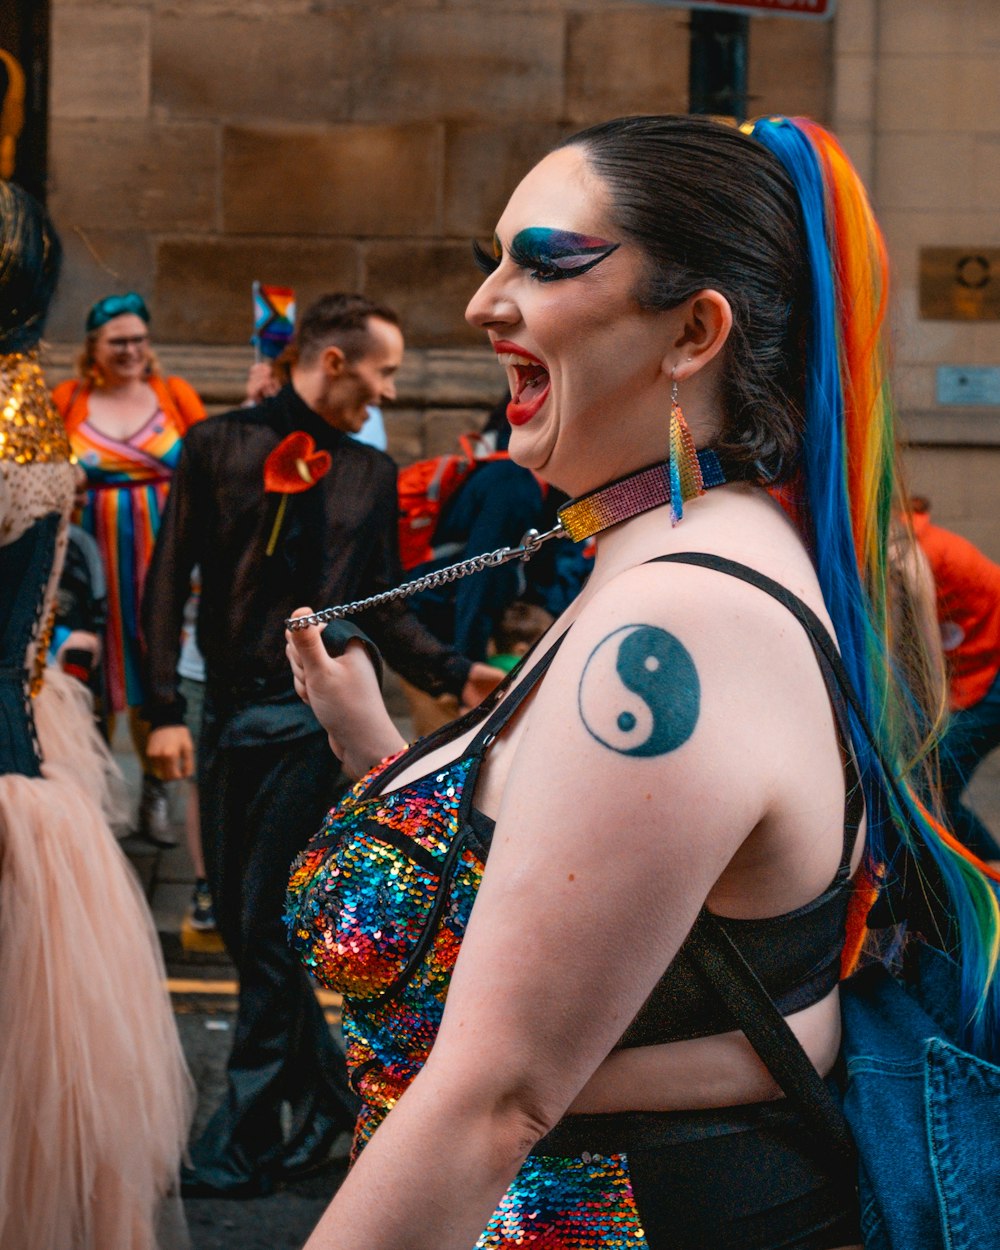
(202, 915)
(154, 813)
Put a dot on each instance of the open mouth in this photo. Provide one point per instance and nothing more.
(530, 382)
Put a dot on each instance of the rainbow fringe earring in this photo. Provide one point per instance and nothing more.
(686, 481)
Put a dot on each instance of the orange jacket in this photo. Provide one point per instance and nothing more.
(178, 399)
(967, 588)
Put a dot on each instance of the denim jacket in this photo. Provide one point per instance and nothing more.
(925, 1113)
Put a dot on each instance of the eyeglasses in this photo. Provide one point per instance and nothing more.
(115, 306)
(137, 340)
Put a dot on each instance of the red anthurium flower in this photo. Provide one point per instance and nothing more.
(295, 465)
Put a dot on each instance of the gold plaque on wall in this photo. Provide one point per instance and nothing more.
(960, 283)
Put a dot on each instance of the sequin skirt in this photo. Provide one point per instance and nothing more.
(740, 1178)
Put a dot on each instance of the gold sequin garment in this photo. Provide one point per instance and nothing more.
(36, 480)
(31, 431)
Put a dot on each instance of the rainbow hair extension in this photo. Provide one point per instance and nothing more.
(849, 484)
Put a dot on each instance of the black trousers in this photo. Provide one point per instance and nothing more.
(260, 804)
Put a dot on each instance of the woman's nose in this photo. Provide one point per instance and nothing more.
(490, 306)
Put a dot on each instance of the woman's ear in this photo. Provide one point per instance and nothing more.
(705, 322)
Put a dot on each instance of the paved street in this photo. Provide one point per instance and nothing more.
(204, 1003)
(203, 991)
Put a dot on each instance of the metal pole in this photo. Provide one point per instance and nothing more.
(718, 64)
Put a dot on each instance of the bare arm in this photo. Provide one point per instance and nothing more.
(617, 778)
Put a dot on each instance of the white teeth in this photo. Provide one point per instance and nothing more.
(513, 358)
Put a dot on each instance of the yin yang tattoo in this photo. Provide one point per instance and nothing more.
(657, 695)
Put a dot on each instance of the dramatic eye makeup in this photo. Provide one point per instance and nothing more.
(487, 262)
(549, 255)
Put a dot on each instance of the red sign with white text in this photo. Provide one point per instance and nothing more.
(822, 9)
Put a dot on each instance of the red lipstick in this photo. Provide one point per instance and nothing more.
(532, 388)
(506, 348)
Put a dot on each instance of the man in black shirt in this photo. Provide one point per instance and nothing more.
(325, 532)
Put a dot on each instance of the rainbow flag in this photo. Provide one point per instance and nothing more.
(273, 319)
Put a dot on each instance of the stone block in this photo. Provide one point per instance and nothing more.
(930, 26)
(404, 428)
(250, 66)
(100, 63)
(58, 6)
(203, 285)
(923, 171)
(354, 180)
(790, 69)
(859, 144)
(633, 61)
(540, 6)
(920, 341)
(239, 8)
(429, 284)
(984, 192)
(907, 230)
(928, 93)
(855, 27)
(854, 78)
(984, 349)
(133, 175)
(483, 164)
(960, 482)
(429, 64)
(97, 263)
(464, 377)
(913, 386)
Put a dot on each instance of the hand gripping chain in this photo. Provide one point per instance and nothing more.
(529, 544)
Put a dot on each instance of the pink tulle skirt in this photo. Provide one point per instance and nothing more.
(95, 1097)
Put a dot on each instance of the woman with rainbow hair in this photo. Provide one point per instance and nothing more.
(517, 909)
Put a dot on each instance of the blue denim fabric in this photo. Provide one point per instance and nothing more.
(925, 1114)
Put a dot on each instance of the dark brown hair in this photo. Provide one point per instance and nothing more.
(341, 320)
(713, 209)
(30, 257)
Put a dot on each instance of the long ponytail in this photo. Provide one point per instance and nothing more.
(849, 483)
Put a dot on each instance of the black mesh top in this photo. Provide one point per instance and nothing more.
(337, 542)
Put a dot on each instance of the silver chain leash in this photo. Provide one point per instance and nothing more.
(529, 544)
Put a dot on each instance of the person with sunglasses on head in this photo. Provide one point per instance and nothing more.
(126, 422)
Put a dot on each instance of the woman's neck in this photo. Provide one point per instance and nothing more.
(127, 390)
(714, 519)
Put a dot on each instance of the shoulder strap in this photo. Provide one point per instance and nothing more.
(722, 964)
(494, 712)
(831, 666)
(713, 950)
(821, 638)
(506, 710)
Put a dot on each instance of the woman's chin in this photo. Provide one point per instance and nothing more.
(540, 454)
(530, 446)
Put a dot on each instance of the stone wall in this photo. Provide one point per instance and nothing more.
(917, 103)
(199, 144)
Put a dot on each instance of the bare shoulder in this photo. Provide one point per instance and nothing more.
(683, 684)
(726, 625)
(651, 719)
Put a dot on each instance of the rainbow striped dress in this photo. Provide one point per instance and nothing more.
(128, 485)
